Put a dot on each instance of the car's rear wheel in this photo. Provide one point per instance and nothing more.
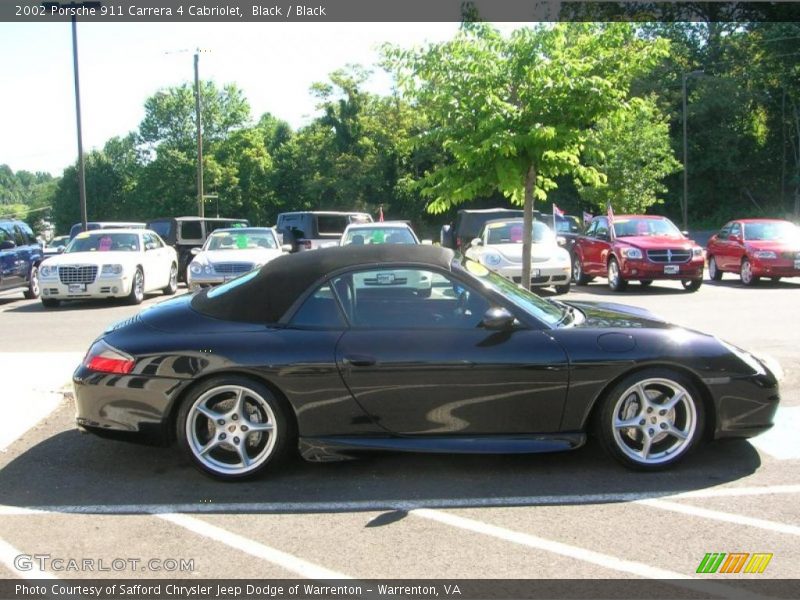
(746, 273)
(33, 285)
(645, 282)
(50, 302)
(233, 427)
(562, 289)
(172, 286)
(692, 285)
(615, 279)
(651, 420)
(137, 288)
(578, 275)
(713, 272)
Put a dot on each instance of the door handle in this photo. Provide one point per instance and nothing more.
(359, 360)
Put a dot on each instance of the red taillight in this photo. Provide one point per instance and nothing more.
(106, 359)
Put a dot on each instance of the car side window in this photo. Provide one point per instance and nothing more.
(191, 230)
(592, 228)
(409, 298)
(725, 232)
(736, 230)
(601, 230)
(319, 311)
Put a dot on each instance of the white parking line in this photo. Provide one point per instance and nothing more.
(7, 556)
(378, 505)
(705, 513)
(287, 561)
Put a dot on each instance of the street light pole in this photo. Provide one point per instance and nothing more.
(685, 203)
(198, 113)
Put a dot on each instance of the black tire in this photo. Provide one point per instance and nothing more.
(33, 290)
(234, 434)
(172, 286)
(645, 282)
(562, 289)
(615, 280)
(746, 273)
(137, 288)
(653, 441)
(692, 285)
(578, 276)
(713, 271)
(775, 279)
(50, 302)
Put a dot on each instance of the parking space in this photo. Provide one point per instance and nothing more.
(572, 515)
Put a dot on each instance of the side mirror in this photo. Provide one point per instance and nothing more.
(733, 238)
(562, 241)
(498, 318)
(476, 242)
(685, 234)
(61, 249)
(286, 248)
(195, 251)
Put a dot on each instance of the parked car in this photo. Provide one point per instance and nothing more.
(56, 245)
(755, 248)
(499, 247)
(186, 233)
(642, 248)
(299, 353)
(469, 223)
(310, 230)
(20, 257)
(388, 232)
(229, 253)
(110, 263)
(93, 225)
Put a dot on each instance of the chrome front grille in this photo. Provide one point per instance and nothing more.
(232, 268)
(669, 256)
(77, 274)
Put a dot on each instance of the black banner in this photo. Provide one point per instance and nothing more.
(111, 11)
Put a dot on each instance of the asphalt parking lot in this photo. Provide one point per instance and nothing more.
(572, 515)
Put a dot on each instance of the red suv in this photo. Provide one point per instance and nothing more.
(755, 248)
(641, 248)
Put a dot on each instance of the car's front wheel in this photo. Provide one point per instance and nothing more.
(562, 289)
(615, 279)
(33, 285)
(137, 288)
(692, 285)
(233, 427)
(652, 419)
(746, 273)
(172, 285)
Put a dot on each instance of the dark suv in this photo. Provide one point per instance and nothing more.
(185, 233)
(20, 256)
(469, 223)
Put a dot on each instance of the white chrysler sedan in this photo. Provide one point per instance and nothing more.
(106, 263)
(231, 252)
(499, 248)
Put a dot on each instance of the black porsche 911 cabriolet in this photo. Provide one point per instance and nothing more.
(341, 350)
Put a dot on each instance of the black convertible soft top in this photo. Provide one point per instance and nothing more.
(266, 296)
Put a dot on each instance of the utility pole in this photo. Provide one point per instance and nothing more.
(198, 108)
(685, 203)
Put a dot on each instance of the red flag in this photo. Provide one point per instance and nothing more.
(610, 212)
(380, 214)
(557, 211)
(587, 218)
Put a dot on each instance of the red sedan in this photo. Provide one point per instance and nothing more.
(640, 248)
(755, 248)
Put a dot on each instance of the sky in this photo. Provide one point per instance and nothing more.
(122, 64)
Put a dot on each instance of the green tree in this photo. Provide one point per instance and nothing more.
(512, 113)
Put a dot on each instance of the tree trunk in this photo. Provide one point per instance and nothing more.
(527, 226)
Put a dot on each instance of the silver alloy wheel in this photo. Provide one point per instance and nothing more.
(33, 290)
(231, 430)
(712, 269)
(654, 421)
(747, 272)
(172, 286)
(576, 270)
(138, 286)
(613, 275)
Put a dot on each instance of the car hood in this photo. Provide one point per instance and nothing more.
(539, 252)
(92, 258)
(177, 316)
(611, 314)
(649, 242)
(251, 255)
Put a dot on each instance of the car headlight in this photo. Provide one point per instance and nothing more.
(747, 358)
(697, 252)
(111, 270)
(196, 268)
(765, 254)
(491, 259)
(47, 271)
(633, 253)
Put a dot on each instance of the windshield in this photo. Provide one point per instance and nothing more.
(645, 227)
(772, 230)
(241, 240)
(378, 235)
(510, 232)
(104, 242)
(547, 312)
